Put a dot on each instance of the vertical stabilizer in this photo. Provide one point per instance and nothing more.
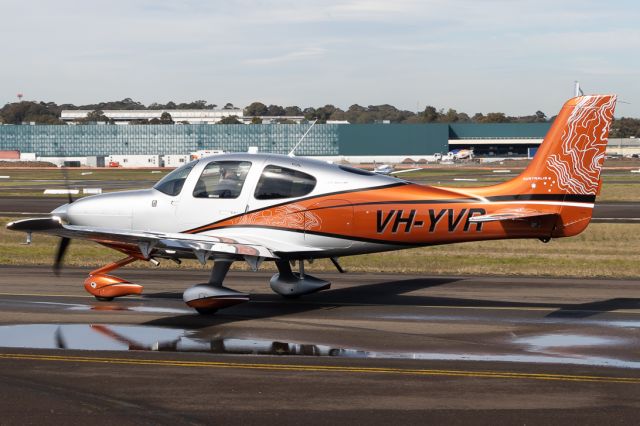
(569, 160)
(564, 175)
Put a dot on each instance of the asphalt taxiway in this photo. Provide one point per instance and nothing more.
(373, 349)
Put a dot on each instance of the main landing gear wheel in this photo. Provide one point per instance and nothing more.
(208, 298)
(292, 285)
(104, 299)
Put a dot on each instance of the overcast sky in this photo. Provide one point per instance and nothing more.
(473, 56)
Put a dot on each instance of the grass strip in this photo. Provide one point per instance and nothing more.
(603, 250)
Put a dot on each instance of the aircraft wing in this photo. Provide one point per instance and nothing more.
(510, 214)
(202, 246)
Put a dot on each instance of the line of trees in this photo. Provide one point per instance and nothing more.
(49, 113)
(377, 113)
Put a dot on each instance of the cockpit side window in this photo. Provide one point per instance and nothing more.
(222, 179)
(172, 183)
(281, 182)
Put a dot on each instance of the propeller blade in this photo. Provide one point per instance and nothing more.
(65, 175)
(62, 249)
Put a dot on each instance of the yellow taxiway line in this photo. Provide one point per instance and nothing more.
(322, 368)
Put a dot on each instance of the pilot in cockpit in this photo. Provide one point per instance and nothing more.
(229, 184)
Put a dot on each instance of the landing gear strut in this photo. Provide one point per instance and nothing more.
(106, 287)
(209, 297)
(291, 285)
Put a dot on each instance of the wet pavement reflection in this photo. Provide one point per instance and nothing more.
(550, 320)
(566, 341)
(138, 307)
(145, 338)
(552, 348)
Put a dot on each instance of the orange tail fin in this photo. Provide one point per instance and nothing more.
(564, 175)
(570, 159)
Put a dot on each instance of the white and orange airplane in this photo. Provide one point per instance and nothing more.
(258, 207)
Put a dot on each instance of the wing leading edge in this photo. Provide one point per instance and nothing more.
(202, 246)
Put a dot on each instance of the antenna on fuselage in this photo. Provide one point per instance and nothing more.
(291, 153)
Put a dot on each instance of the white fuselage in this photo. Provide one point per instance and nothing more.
(154, 211)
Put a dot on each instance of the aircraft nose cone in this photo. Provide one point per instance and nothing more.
(105, 211)
(62, 212)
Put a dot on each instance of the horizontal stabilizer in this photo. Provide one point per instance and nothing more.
(510, 214)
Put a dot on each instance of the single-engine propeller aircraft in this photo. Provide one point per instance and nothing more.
(388, 169)
(261, 207)
(460, 154)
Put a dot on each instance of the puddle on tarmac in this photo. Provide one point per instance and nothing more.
(116, 307)
(126, 338)
(566, 341)
(104, 337)
(604, 322)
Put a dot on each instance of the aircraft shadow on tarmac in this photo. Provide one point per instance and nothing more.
(586, 310)
(392, 293)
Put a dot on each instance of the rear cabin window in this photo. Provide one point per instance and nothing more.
(222, 179)
(280, 182)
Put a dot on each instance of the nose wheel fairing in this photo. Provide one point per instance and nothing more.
(107, 287)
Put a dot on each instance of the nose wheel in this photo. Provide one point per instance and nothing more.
(106, 287)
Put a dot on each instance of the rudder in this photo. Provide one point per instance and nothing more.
(564, 175)
(569, 160)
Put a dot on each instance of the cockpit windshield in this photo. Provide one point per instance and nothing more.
(172, 183)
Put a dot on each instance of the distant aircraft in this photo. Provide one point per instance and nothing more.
(460, 154)
(388, 169)
(261, 207)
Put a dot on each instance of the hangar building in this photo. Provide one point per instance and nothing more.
(200, 116)
(353, 142)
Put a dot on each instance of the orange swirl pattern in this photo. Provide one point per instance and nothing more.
(578, 162)
(293, 216)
